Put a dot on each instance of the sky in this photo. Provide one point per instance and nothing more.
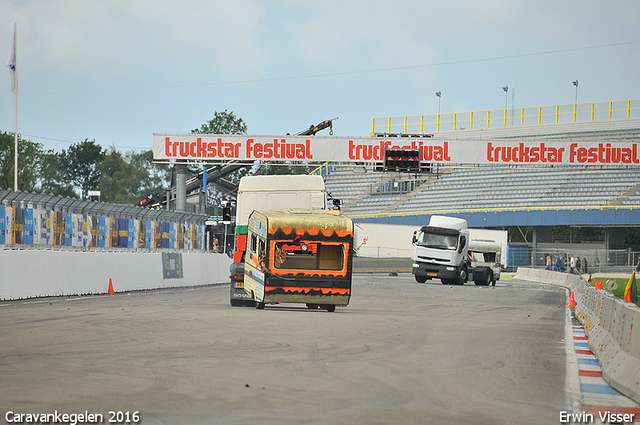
(117, 71)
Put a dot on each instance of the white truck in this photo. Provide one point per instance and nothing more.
(444, 250)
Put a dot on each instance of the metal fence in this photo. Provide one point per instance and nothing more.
(31, 220)
(597, 259)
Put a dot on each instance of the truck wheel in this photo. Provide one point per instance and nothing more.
(482, 278)
(259, 305)
(312, 306)
(331, 308)
(421, 279)
(462, 276)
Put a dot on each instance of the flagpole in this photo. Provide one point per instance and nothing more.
(14, 88)
(15, 143)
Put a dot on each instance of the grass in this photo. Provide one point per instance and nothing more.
(619, 291)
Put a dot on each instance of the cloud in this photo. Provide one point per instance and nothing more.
(102, 38)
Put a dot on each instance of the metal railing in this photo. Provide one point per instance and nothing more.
(386, 186)
(502, 118)
(599, 260)
(324, 169)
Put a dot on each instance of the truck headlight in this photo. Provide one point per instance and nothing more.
(450, 269)
(415, 265)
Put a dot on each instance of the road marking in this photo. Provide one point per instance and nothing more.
(599, 389)
(596, 373)
(596, 395)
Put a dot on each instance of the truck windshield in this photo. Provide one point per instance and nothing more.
(430, 240)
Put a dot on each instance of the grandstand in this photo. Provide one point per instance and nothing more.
(488, 195)
(487, 186)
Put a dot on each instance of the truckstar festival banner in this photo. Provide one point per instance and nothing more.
(207, 147)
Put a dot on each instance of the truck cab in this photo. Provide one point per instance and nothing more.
(446, 249)
(441, 250)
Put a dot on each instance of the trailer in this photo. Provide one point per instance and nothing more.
(277, 192)
(299, 256)
(483, 261)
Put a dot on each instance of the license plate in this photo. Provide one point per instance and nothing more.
(432, 274)
(238, 285)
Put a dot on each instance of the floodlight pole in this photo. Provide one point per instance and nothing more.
(506, 92)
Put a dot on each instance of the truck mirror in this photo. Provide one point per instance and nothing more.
(463, 243)
(414, 239)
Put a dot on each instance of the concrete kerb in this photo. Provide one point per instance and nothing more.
(608, 323)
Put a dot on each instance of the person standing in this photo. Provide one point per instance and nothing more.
(572, 264)
(548, 263)
(586, 266)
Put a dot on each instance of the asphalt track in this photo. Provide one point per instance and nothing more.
(400, 353)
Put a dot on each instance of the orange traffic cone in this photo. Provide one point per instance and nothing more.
(572, 301)
(599, 284)
(110, 291)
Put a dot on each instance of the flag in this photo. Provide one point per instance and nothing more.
(631, 291)
(11, 64)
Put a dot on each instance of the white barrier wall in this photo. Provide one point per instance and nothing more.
(41, 273)
(377, 240)
(608, 322)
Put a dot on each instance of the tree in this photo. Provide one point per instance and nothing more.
(222, 123)
(81, 163)
(53, 179)
(156, 176)
(29, 157)
(113, 171)
(126, 179)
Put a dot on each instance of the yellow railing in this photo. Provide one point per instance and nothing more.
(324, 169)
(515, 117)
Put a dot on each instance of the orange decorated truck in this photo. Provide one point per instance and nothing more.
(299, 256)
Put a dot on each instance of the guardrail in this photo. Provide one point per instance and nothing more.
(608, 322)
(514, 117)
